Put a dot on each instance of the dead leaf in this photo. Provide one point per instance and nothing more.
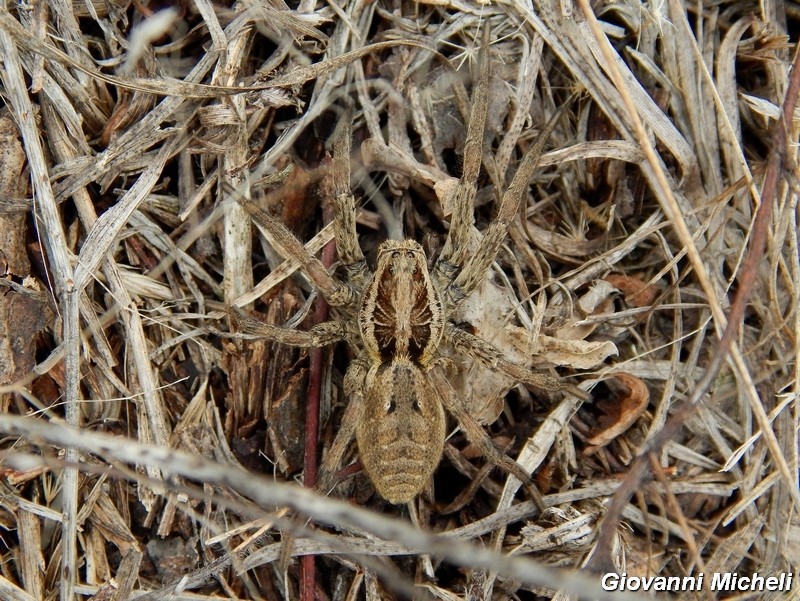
(13, 229)
(483, 389)
(638, 293)
(620, 413)
(580, 354)
(173, 557)
(286, 424)
(598, 299)
(562, 246)
(24, 314)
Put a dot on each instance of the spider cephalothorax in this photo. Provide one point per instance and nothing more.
(397, 320)
(401, 309)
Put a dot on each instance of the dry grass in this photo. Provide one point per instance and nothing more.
(646, 267)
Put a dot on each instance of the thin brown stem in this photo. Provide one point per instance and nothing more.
(311, 454)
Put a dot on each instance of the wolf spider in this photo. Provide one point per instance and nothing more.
(398, 318)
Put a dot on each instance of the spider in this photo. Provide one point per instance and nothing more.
(398, 318)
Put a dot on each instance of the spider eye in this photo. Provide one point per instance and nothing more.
(410, 254)
(396, 254)
(390, 407)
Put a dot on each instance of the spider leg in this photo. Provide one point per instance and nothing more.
(462, 219)
(493, 358)
(344, 223)
(474, 271)
(354, 390)
(320, 335)
(477, 436)
(335, 292)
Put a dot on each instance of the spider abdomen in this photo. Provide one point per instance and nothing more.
(401, 434)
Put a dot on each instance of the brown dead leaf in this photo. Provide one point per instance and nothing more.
(173, 557)
(638, 293)
(286, 424)
(620, 413)
(105, 593)
(129, 109)
(545, 477)
(24, 314)
(13, 228)
(24, 309)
